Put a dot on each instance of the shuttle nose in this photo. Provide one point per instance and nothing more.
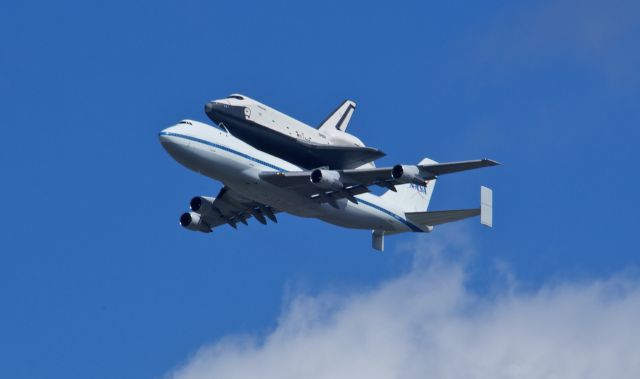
(222, 111)
(209, 107)
(214, 110)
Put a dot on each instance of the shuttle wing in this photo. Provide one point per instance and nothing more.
(303, 153)
(309, 154)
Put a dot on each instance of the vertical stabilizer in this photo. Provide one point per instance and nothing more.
(340, 118)
(412, 197)
(486, 206)
(377, 240)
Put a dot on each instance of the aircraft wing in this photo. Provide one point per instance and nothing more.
(299, 181)
(425, 172)
(357, 181)
(229, 207)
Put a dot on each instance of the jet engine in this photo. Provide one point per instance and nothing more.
(405, 174)
(202, 204)
(326, 179)
(193, 221)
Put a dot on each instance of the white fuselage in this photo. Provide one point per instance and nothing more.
(217, 154)
(264, 115)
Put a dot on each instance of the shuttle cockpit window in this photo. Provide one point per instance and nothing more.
(235, 97)
(185, 122)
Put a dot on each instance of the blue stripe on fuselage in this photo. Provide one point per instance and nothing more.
(246, 156)
(383, 210)
(222, 147)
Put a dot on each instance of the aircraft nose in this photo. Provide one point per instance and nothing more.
(165, 135)
(175, 140)
(214, 110)
(209, 107)
(170, 137)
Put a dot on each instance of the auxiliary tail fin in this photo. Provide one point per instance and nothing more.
(412, 197)
(486, 206)
(339, 119)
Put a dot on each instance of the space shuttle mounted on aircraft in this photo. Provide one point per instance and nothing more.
(271, 163)
(280, 135)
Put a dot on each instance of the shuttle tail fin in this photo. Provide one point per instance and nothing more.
(340, 118)
(412, 197)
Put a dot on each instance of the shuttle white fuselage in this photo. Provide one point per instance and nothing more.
(281, 135)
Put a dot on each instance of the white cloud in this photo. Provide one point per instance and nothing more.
(427, 323)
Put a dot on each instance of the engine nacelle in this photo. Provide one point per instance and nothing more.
(202, 204)
(193, 221)
(326, 179)
(405, 174)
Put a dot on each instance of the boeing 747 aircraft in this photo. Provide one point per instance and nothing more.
(260, 185)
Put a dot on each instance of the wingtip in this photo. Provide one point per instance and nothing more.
(491, 162)
(350, 101)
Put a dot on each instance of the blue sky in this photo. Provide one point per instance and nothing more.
(97, 279)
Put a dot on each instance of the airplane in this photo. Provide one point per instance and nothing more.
(259, 185)
(278, 134)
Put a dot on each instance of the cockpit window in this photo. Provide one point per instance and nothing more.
(235, 97)
(185, 122)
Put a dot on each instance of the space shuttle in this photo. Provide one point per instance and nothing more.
(271, 131)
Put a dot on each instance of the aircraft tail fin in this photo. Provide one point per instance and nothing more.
(412, 197)
(340, 118)
(377, 240)
(486, 206)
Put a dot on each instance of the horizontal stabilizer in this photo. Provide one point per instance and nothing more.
(432, 218)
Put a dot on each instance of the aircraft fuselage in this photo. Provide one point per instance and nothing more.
(221, 156)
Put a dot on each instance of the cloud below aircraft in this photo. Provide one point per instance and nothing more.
(430, 322)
